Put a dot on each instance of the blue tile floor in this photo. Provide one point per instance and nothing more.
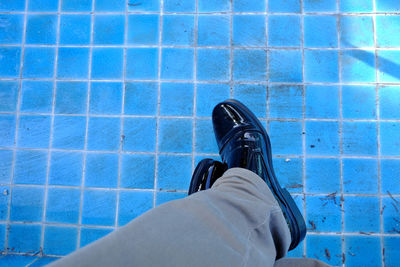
(92, 93)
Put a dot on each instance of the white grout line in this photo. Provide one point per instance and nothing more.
(78, 240)
(51, 129)
(340, 136)
(158, 102)
(194, 87)
(16, 126)
(231, 48)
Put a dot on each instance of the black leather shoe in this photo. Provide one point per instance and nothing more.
(244, 143)
(205, 175)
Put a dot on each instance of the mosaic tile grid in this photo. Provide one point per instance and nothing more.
(92, 92)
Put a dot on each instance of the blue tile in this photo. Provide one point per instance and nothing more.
(320, 31)
(174, 172)
(220, 35)
(285, 66)
(208, 95)
(41, 29)
(17, 5)
(357, 66)
(176, 99)
(150, 5)
(359, 138)
(214, 5)
(178, 30)
(99, 207)
(249, 30)
(319, 6)
(101, 170)
(110, 5)
(213, 64)
(89, 235)
(254, 96)
(16, 260)
(24, 238)
(284, 31)
(175, 135)
(109, 29)
(4, 203)
(106, 98)
(75, 29)
(39, 62)
(11, 28)
(363, 250)
(71, 97)
(392, 255)
(322, 138)
(103, 133)
(356, 6)
(323, 212)
(286, 6)
(27, 204)
(289, 173)
(388, 70)
(361, 214)
(76, 5)
(43, 6)
(360, 176)
(34, 131)
(249, 65)
(142, 63)
(9, 96)
(389, 138)
(7, 130)
(323, 175)
(6, 159)
(321, 66)
(177, 63)
(164, 197)
(322, 101)
(69, 132)
(30, 167)
(286, 137)
(317, 247)
(139, 134)
(143, 29)
(2, 238)
(133, 204)
(141, 98)
(205, 140)
(248, 6)
(66, 168)
(63, 205)
(286, 101)
(356, 31)
(390, 214)
(137, 171)
(179, 6)
(359, 102)
(42, 261)
(36, 96)
(73, 63)
(107, 63)
(388, 168)
(298, 252)
(59, 240)
(9, 62)
(387, 5)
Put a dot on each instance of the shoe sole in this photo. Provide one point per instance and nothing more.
(293, 213)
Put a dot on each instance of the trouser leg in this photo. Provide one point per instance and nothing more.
(235, 223)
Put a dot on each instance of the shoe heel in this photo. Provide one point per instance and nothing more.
(297, 221)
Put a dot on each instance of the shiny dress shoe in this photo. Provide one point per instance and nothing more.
(244, 143)
(205, 175)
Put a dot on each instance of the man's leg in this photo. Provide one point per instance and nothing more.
(235, 223)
